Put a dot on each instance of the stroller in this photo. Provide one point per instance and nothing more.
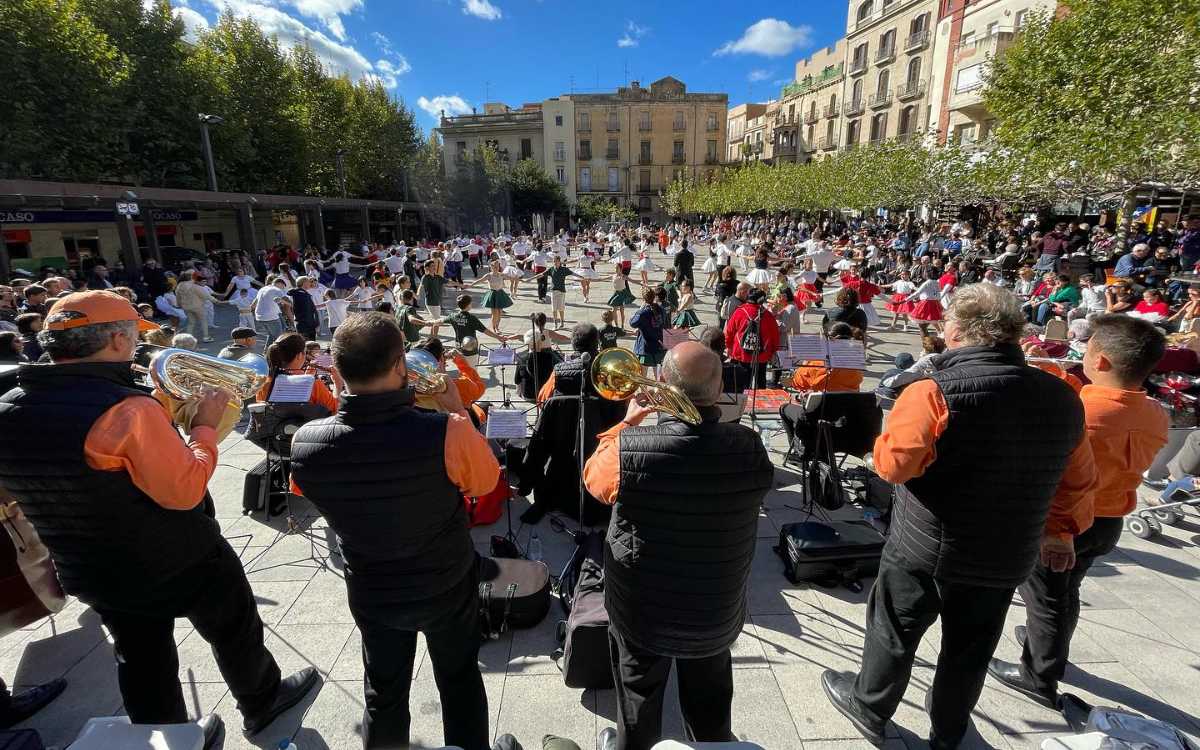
(1147, 522)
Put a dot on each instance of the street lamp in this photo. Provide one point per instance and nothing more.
(205, 121)
(341, 169)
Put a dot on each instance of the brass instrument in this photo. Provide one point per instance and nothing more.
(617, 375)
(1060, 361)
(182, 374)
(425, 378)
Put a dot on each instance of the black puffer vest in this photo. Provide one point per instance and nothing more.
(682, 534)
(977, 514)
(570, 376)
(112, 544)
(377, 471)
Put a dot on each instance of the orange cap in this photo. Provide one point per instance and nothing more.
(91, 308)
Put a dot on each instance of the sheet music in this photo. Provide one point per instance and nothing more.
(506, 423)
(502, 356)
(291, 389)
(847, 355)
(787, 359)
(807, 346)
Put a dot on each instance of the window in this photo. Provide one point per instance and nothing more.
(914, 72)
(613, 152)
(585, 121)
(965, 134)
(856, 92)
(907, 120)
(585, 150)
(585, 179)
(558, 120)
(614, 120)
(864, 11)
(679, 123)
(614, 179)
(561, 174)
(526, 148)
(791, 112)
(887, 44)
(852, 133)
(967, 39)
(710, 151)
(712, 122)
(644, 120)
(560, 151)
(969, 78)
(644, 153)
(993, 28)
(1019, 19)
(644, 181)
(809, 140)
(677, 151)
(812, 109)
(879, 127)
(860, 55)
(919, 24)
(881, 83)
(829, 132)
(832, 102)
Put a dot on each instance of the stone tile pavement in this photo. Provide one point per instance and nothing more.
(1136, 645)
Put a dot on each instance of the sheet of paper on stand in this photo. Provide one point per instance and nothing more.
(847, 355)
(291, 389)
(502, 356)
(806, 346)
(506, 424)
(787, 359)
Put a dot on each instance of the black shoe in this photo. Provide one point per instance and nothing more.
(1075, 711)
(214, 730)
(607, 739)
(26, 703)
(506, 742)
(838, 688)
(292, 690)
(1010, 675)
(1021, 633)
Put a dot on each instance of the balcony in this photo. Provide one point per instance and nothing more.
(678, 159)
(560, 156)
(918, 40)
(885, 55)
(827, 144)
(905, 137)
(853, 109)
(784, 149)
(679, 127)
(711, 159)
(644, 127)
(850, 146)
(880, 99)
(858, 65)
(584, 154)
(584, 127)
(757, 148)
(613, 127)
(911, 90)
(831, 112)
(968, 99)
(810, 117)
(612, 155)
(877, 141)
(643, 159)
(711, 127)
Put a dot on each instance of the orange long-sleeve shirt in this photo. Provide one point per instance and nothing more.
(470, 464)
(908, 446)
(602, 472)
(470, 385)
(1126, 430)
(547, 389)
(1061, 373)
(812, 376)
(136, 436)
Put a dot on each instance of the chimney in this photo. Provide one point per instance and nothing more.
(474, 111)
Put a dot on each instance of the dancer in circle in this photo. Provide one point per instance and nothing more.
(685, 316)
(761, 275)
(928, 306)
(496, 300)
(586, 271)
(644, 266)
(711, 268)
(898, 303)
(512, 272)
(621, 295)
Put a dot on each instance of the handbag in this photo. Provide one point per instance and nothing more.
(29, 587)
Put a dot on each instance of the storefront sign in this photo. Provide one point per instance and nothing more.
(127, 208)
(21, 216)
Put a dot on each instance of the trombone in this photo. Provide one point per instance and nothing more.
(1060, 361)
(617, 375)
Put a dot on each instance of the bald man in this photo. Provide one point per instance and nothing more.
(686, 500)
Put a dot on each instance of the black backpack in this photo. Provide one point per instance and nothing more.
(583, 637)
(751, 340)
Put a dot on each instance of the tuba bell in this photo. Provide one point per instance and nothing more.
(617, 375)
(182, 374)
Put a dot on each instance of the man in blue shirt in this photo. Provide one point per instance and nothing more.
(1136, 264)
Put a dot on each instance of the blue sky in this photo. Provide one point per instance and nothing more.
(455, 54)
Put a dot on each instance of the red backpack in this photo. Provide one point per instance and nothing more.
(488, 508)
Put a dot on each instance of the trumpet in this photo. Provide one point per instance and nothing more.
(182, 374)
(617, 375)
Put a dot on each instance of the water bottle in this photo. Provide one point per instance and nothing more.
(535, 547)
(286, 744)
(871, 516)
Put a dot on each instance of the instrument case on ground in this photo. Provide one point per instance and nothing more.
(512, 594)
(829, 553)
(583, 637)
(256, 488)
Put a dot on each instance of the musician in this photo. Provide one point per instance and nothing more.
(1126, 429)
(992, 469)
(389, 478)
(470, 386)
(287, 357)
(813, 376)
(115, 466)
(678, 552)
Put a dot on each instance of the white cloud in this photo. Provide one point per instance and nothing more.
(328, 12)
(381, 41)
(193, 23)
(759, 75)
(633, 35)
(481, 9)
(451, 104)
(770, 37)
(388, 70)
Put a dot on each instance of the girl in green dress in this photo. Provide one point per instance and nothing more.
(686, 317)
(621, 296)
(496, 300)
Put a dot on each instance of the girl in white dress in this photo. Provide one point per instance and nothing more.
(644, 266)
(586, 271)
(512, 272)
(711, 268)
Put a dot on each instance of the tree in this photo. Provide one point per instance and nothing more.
(62, 93)
(476, 189)
(1103, 97)
(533, 191)
(427, 173)
(592, 210)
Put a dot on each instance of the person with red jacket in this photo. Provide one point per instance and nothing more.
(750, 317)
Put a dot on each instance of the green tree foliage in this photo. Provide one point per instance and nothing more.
(109, 90)
(1103, 96)
(534, 192)
(593, 209)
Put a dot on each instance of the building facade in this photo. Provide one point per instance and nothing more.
(968, 38)
(737, 120)
(558, 124)
(809, 120)
(515, 134)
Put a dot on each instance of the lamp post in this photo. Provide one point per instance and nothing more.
(205, 121)
(341, 169)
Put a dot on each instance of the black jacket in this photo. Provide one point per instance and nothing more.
(304, 309)
(543, 362)
(977, 513)
(684, 260)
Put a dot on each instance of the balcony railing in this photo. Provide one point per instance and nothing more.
(711, 159)
(877, 141)
(881, 99)
(850, 145)
(827, 144)
(678, 159)
(645, 190)
(854, 108)
(584, 127)
(911, 90)
(784, 149)
(858, 65)
(612, 154)
(831, 112)
(584, 154)
(560, 156)
(917, 40)
(885, 55)
(758, 148)
(810, 117)
(642, 159)
(614, 127)
(711, 127)
(644, 127)
(679, 127)
(905, 137)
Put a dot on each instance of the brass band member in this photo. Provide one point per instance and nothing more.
(388, 478)
(992, 468)
(685, 498)
(116, 496)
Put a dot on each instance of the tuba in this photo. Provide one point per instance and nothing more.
(424, 377)
(617, 375)
(183, 374)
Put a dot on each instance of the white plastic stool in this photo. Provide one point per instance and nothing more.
(678, 745)
(117, 733)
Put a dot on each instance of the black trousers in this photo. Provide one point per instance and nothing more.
(216, 597)
(903, 604)
(473, 260)
(705, 694)
(750, 370)
(389, 640)
(542, 283)
(1052, 606)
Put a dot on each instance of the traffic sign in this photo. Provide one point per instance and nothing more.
(127, 208)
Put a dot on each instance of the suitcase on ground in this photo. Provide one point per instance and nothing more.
(583, 636)
(830, 553)
(256, 489)
(512, 594)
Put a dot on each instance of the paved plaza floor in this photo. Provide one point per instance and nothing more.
(1136, 646)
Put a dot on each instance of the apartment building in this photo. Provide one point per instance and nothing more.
(632, 143)
(889, 52)
(809, 118)
(515, 134)
(558, 125)
(737, 121)
(968, 38)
